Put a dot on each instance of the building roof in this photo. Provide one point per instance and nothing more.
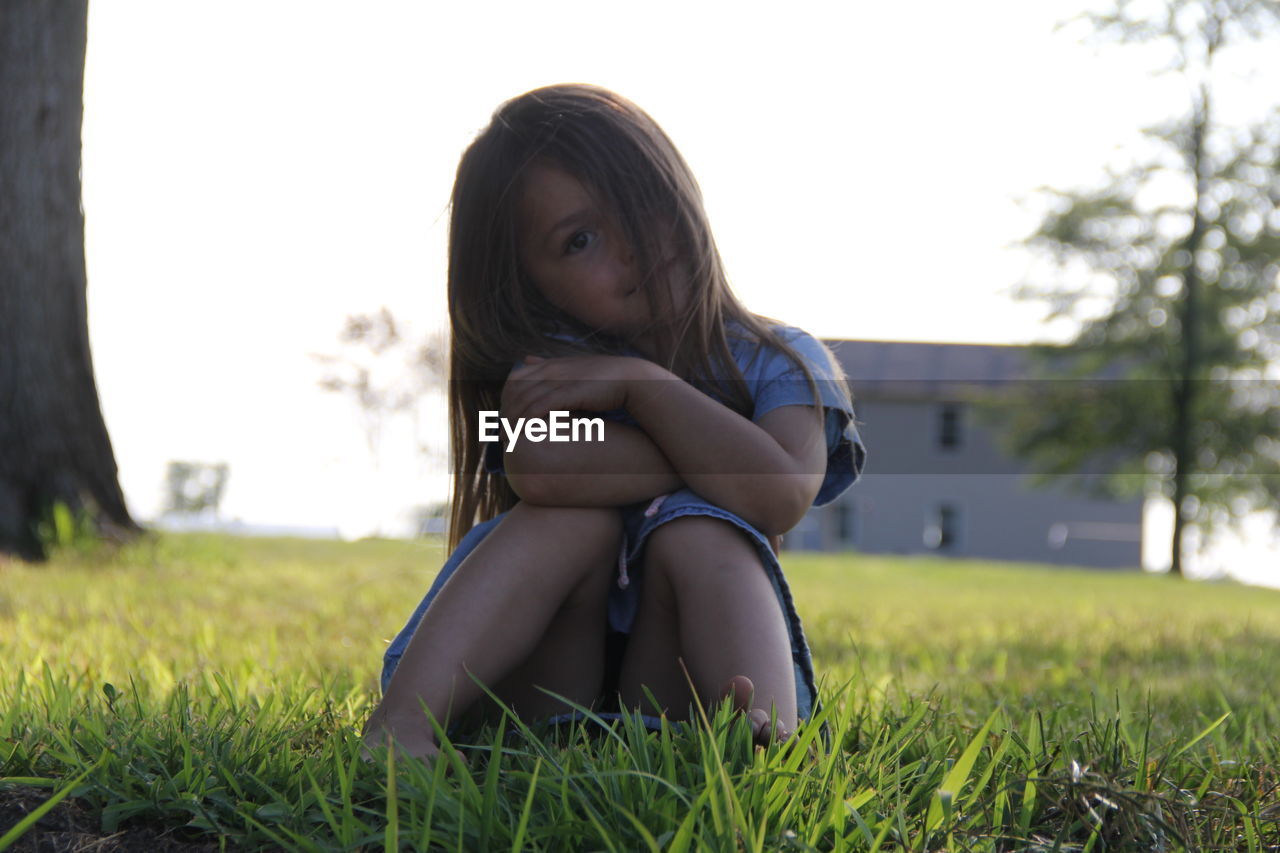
(902, 369)
(902, 361)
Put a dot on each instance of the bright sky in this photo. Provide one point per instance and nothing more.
(255, 172)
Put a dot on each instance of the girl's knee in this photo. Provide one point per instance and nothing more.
(695, 537)
(587, 537)
(571, 525)
(701, 550)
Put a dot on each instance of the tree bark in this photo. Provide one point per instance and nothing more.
(1184, 396)
(54, 445)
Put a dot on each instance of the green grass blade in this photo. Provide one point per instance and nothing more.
(322, 800)
(649, 840)
(861, 824)
(684, 834)
(391, 837)
(1195, 740)
(954, 782)
(489, 805)
(20, 828)
(517, 843)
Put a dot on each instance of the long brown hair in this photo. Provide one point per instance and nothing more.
(496, 311)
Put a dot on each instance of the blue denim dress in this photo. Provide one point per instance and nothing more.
(773, 381)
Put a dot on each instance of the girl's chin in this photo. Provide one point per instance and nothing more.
(643, 342)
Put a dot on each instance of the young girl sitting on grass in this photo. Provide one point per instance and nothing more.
(583, 278)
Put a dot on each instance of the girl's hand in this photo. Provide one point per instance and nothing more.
(592, 383)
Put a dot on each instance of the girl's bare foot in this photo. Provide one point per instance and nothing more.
(741, 690)
(412, 740)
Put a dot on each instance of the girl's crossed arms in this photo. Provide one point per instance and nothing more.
(767, 473)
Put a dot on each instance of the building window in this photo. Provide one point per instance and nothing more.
(846, 523)
(942, 530)
(949, 426)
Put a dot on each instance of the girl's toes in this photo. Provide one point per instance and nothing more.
(759, 726)
(740, 690)
(761, 733)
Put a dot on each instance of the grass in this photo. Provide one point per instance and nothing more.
(205, 689)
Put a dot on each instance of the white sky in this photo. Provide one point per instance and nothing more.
(254, 172)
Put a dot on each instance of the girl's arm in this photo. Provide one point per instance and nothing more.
(766, 473)
(624, 468)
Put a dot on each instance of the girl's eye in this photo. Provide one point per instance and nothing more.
(579, 241)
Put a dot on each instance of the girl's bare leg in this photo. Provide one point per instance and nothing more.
(706, 599)
(540, 567)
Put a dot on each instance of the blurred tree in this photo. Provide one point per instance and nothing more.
(193, 487)
(386, 374)
(1186, 246)
(54, 447)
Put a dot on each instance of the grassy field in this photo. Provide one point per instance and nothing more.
(204, 690)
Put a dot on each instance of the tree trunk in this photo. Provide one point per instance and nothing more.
(1184, 397)
(53, 441)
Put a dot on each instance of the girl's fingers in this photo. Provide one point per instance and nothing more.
(536, 394)
(515, 402)
(541, 385)
(521, 385)
(522, 373)
(544, 400)
(525, 402)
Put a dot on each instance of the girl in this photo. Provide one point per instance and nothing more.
(583, 277)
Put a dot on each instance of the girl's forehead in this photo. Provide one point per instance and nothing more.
(543, 183)
(549, 196)
(541, 179)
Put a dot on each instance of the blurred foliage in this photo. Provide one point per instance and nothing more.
(193, 487)
(384, 372)
(1183, 247)
(64, 529)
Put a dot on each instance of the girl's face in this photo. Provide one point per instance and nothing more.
(577, 255)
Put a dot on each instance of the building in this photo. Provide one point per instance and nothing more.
(936, 480)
